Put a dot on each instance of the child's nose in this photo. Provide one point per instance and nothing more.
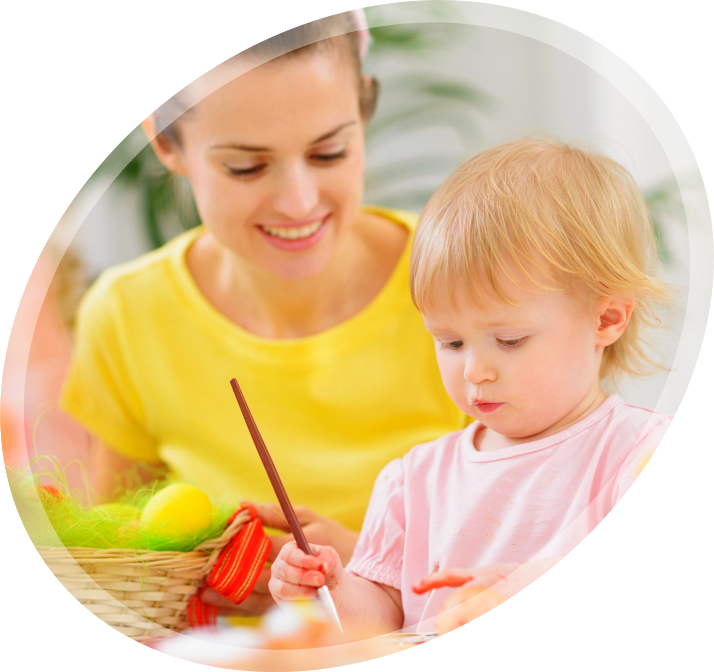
(296, 193)
(478, 370)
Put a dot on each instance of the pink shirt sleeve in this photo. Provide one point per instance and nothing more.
(379, 553)
(638, 457)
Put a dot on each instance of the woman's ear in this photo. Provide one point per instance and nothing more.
(368, 94)
(613, 318)
(165, 149)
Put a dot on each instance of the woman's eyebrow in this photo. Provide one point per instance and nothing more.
(335, 131)
(254, 148)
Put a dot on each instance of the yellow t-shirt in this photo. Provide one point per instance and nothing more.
(151, 370)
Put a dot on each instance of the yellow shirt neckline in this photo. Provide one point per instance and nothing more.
(387, 301)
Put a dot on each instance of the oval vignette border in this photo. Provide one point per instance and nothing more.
(603, 61)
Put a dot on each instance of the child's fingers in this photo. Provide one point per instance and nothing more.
(329, 557)
(453, 577)
(281, 590)
(296, 575)
(446, 577)
(292, 555)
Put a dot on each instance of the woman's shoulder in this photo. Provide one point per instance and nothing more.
(134, 286)
(405, 218)
(386, 233)
(146, 272)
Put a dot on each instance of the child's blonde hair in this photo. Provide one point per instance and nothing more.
(546, 212)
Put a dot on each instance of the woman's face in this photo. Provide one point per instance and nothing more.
(276, 160)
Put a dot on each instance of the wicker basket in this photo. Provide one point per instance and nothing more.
(142, 594)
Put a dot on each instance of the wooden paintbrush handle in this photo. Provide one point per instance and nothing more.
(272, 472)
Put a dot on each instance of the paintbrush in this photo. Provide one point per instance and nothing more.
(323, 592)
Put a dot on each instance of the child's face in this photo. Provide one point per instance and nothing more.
(521, 370)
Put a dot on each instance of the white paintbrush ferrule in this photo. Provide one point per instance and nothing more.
(323, 592)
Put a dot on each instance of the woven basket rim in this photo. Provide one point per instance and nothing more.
(108, 571)
(147, 557)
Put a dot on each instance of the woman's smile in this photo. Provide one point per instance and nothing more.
(295, 236)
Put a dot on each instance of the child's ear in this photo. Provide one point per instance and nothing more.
(165, 150)
(613, 317)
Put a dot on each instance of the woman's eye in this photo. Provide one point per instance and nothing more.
(451, 345)
(253, 170)
(329, 158)
(512, 342)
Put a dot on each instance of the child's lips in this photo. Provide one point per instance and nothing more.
(487, 406)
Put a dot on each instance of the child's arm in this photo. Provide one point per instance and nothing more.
(297, 576)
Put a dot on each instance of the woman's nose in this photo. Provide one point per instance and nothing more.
(296, 193)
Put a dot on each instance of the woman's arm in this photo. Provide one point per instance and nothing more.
(112, 473)
(318, 530)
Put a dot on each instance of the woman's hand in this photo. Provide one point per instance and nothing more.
(318, 530)
(111, 472)
(297, 575)
(255, 604)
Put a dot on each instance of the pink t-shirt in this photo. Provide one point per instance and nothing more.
(445, 504)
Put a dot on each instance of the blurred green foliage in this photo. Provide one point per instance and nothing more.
(666, 207)
(416, 101)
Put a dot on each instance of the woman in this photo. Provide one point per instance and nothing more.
(290, 286)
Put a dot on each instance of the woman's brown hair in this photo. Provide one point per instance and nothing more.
(344, 33)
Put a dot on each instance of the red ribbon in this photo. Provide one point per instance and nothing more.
(236, 571)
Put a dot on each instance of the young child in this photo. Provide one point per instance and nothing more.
(534, 269)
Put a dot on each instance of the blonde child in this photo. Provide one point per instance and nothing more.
(534, 269)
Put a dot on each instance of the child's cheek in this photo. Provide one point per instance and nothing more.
(455, 384)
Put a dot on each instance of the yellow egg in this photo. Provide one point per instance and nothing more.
(177, 510)
(117, 511)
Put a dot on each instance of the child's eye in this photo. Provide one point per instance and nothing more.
(451, 345)
(512, 342)
(329, 158)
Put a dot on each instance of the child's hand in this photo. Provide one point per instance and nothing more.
(297, 576)
(475, 597)
(483, 577)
